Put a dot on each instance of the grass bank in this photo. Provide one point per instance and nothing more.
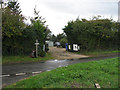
(82, 75)
(98, 52)
(19, 59)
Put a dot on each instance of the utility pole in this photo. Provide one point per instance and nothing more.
(119, 11)
(1, 2)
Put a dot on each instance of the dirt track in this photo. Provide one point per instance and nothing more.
(61, 53)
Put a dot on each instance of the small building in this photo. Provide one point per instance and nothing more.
(50, 43)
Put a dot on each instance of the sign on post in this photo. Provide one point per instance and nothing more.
(43, 47)
(36, 48)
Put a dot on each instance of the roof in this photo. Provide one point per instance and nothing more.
(48, 41)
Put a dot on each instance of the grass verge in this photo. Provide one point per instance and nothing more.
(82, 75)
(98, 52)
(19, 59)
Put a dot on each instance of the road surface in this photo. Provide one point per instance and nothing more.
(12, 73)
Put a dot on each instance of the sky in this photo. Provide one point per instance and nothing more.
(57, 13)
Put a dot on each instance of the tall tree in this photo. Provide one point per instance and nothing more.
(40, 29)
(12, 26)
(12, 20)
(14, 7)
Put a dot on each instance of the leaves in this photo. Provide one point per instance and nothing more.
(92, 34)
(19, 38)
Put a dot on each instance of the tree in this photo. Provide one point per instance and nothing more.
(14, 7)
(60, 36)
(92, 34)
(53, 38)
(40, 30)
(12, 26)
(19, 38)
(63, 41)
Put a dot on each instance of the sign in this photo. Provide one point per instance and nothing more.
(36, 43)
(75, 47)
(69, 47)
(36, 48)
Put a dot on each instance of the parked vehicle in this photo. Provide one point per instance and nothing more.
(57, 44)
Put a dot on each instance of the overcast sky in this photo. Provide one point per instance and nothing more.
(58, 12)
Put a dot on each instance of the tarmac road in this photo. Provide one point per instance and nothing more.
(12, 73)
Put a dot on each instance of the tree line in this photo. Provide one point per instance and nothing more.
(18, 38)
(62, 38)
(94, 34)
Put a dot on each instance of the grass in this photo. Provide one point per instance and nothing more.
(20, 59)
(82, 75)
(99, 52)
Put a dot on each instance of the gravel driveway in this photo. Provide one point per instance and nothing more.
(61, 53)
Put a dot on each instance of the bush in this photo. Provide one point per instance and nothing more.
(63, 41)
(93, 34)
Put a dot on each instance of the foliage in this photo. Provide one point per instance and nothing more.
(18, 38)
(93, 34)
(63, 41)
(12, 26)
(59, 38)
(82, 75)
(41, 31)
(53, 38)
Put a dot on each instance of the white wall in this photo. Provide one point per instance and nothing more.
(50, 43)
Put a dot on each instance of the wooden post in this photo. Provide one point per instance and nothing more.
(36, 48)
(43, 47)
